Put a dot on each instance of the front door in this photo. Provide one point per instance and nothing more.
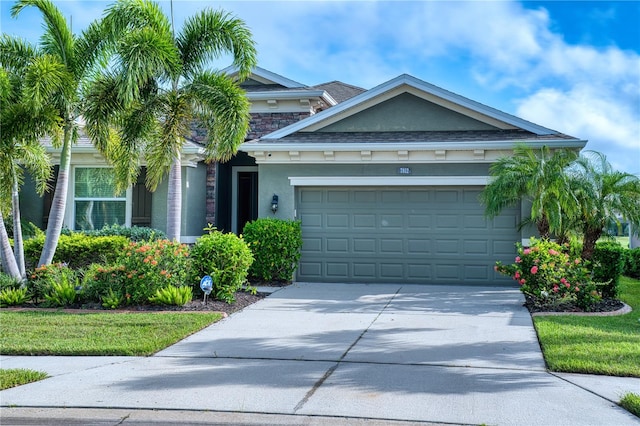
(246, 197)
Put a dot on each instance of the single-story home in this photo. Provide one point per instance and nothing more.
(384, 181)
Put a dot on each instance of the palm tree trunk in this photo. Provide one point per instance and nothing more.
(9, 265)
(543, 228)
(589, 239)
(174, 200)
(18, 248)
(59, 202)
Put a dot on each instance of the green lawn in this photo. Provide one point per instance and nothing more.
(130, 334)
(631, 402)
(12, 377)
(595, 345)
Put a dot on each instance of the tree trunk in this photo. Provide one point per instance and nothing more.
(589, 239)
(174, 200)
(59, 202)
(18, 248)
(9, 264)
(543, 228)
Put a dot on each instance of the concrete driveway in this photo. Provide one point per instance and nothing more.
(439, 354)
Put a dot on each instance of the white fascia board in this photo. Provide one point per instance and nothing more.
(388, 180)
(420, 85)
(291, 94)
(408, 146)
(267, 75)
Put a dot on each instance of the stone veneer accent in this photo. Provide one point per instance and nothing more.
(260, 125)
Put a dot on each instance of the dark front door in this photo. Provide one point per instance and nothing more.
(141, 202)
(247, 199)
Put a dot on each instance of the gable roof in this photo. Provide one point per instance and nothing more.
(266, 77)
(271, 86)
(407, 83)
(340, 91)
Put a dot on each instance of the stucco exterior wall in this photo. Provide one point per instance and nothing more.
(406, 112)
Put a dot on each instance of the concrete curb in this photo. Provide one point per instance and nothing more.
(624, 310)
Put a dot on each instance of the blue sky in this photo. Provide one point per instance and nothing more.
(573, 66)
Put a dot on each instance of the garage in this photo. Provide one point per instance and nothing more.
(402, 234)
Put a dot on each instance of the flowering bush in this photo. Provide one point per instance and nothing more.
(41, 279)
(140, 271)
(550, 276)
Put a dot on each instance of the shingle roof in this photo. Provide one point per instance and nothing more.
(419, 136)
(339, 91)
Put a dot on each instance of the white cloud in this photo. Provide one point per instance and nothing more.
(611, 126)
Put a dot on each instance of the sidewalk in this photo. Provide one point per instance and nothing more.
(321, 352)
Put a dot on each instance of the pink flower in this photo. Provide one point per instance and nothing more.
(522, 281)
(517, 275)
(534, 270)
(526, 251)
(576, 261)
(555, 288)
(563, 280)
(518, 260)
(567, 285)
(553, 252)
(577, 289)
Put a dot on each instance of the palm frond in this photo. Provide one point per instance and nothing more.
(211, 34)
(57, 39)
(223, 109)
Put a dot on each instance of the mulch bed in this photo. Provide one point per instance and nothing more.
(604, 306)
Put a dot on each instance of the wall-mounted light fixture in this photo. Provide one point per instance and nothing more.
(274, 204)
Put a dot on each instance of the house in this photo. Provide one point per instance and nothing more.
(386, 185)
(385, 181)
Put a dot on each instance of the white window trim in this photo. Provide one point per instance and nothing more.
(70, 216)
(389, 180)
(235, 170)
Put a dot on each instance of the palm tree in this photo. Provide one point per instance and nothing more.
(71, 61)
(24, 120)
(159, 88)
(603, 195)
(536, 175)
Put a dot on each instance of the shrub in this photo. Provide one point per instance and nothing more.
(171, 295)
(607, 265)
(78, 250)
(632, 263)
(227, 258)
(275, 244)
(29, 229)
(62, 293)
(133, 233)
(7, 281)
(13, 296)
(42, 279)
(140, 270)
(550, 277)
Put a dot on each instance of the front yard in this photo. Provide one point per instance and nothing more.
(608, 345)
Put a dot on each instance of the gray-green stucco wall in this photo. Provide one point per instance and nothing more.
(194, 181)
(406, 112)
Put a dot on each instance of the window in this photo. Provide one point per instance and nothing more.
(95, 202)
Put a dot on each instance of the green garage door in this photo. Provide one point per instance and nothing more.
(395, 234)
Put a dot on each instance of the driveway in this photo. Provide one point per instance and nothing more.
(458, 355)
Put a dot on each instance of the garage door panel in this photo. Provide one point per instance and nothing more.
(419, 221)
(364, 245)
(337, 245)
(337, 269)
(364, 270)
(412, 235)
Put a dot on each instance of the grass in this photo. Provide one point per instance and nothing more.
(127, 334)
(608, 345)
(13, 377)
(631, 403)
